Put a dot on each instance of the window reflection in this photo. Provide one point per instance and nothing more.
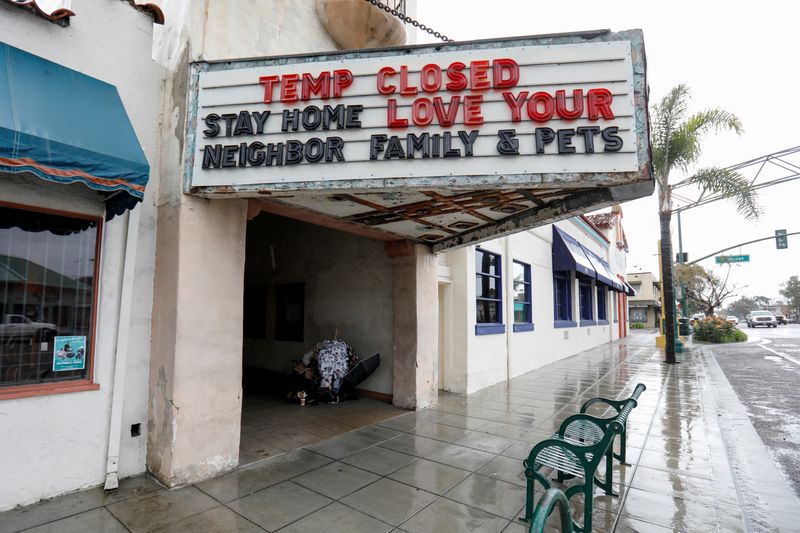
(47, 278)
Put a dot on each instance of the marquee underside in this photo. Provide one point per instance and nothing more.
(444, 218)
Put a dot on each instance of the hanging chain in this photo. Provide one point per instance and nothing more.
(408, 20)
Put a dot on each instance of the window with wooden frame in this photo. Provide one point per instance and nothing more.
(49, 263)
(488, 293)
(523, 315)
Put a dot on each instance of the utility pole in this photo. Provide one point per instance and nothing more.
(682, 260)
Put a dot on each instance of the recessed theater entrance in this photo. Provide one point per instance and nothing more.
(307, 290)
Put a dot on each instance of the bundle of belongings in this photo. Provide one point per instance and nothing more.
(330, 373)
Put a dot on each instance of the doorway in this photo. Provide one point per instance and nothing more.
(303, 284)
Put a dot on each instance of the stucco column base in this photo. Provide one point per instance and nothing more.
(416, 323)
(196, 362)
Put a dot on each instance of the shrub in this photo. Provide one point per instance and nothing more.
(717, 330)
(637, 325)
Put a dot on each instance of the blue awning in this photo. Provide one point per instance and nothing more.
(67, 127)
(603, 269)
(568, 254)
(628, 289)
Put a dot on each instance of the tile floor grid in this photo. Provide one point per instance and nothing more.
(389, 475)
(624, 495)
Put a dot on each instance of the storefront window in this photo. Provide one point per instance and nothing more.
(585, 288)
(638, 314)
(522, 296)
(489, 288)
(48, 274)
(562, 283)
(601, 303)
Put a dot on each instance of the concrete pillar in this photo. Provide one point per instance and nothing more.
(196, 362)
(416, 324)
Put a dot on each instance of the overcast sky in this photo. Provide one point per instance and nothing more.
(741, 56)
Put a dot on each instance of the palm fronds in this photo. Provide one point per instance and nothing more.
(728, 184)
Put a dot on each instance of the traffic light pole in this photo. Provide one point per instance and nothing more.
(684, 310)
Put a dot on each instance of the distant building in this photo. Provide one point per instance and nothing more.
(645, 306)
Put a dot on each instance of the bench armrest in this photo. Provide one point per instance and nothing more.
(616, 404)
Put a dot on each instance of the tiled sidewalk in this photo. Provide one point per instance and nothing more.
(454, 467)
(271, 426)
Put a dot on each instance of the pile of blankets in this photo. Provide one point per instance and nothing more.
(320, 371)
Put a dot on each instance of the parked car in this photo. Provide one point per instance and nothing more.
(732, 319)
(22, 327)
(761, 318)
(780, 319)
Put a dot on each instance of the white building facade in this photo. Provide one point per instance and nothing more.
(84, 274)
(508, 306)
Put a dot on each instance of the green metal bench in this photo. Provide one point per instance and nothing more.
(576, 450)
(618, 406)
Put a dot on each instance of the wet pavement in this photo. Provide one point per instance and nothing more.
(272, 426)
(458, 465)
(765, 375)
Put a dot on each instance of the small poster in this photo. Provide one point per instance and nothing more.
(69, 353)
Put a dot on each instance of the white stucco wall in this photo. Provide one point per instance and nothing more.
(58, 443)
(348, 290)
(482, 360)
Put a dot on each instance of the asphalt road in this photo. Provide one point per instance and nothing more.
(766, 377)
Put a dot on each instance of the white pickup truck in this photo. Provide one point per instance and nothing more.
(15, 326)
(761, 318)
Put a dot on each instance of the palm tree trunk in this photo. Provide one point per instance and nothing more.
(667, 285)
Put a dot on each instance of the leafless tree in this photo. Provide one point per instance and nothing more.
(704, 288)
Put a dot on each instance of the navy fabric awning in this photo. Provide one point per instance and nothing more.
(67, 127)
(568, 254)
(629, 290)
(603, 269)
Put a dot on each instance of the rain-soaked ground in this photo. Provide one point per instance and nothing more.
(696, 464)
(765, 374)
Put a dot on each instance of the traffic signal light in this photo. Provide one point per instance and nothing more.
(781, 240)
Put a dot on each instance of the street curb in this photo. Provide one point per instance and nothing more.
(768, 502)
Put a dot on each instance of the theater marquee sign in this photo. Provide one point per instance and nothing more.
(528, 116)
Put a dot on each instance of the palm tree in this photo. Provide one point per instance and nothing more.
(676, 143)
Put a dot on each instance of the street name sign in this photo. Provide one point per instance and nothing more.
(721, 259)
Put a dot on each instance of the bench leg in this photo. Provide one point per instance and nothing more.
(588, 490)
(528, 502)
(622, 447)
(608, 484)
(529, 492)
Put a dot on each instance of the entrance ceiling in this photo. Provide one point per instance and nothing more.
(444, 218)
